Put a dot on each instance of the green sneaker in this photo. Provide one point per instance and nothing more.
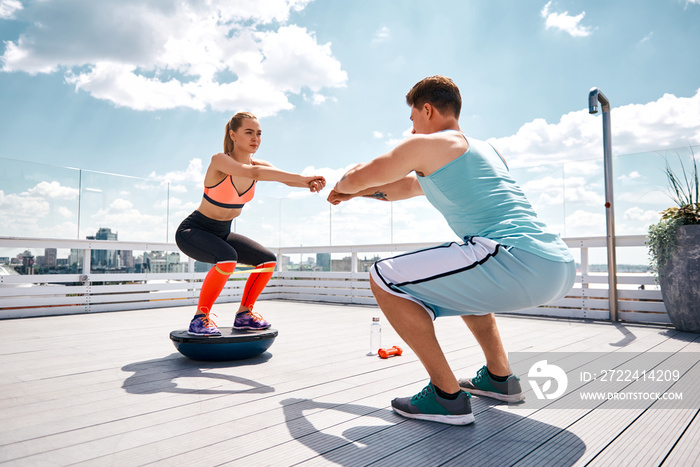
(483, 385)
(427, 405)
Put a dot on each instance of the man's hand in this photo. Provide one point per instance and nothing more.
(336, 198)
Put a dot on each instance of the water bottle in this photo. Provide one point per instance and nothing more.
(375, 336)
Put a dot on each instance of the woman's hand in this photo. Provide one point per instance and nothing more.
(315, 183)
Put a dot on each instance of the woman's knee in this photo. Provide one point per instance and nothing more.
(269, 257)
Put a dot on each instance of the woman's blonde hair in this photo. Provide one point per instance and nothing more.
(234, 124)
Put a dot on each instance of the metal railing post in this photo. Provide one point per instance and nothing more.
(595, 96)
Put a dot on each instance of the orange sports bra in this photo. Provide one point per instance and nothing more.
(224, 194)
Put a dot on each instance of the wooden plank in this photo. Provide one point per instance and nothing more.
(664, 422)
(686, 451)
(110, 389)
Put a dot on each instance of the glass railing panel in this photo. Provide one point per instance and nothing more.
(38, 200)
(115, 207)
(361, 222)
(305, 220)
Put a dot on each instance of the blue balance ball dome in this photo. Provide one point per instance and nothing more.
(232, 344)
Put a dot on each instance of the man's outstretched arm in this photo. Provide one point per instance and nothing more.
(388, 176)
(407, 187)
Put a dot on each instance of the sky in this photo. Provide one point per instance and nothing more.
(144, 89)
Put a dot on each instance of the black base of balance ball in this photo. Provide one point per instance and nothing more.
(232, 344)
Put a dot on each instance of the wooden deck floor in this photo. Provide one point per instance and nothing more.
(110, 389)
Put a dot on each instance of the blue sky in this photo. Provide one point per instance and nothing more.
(144, 88)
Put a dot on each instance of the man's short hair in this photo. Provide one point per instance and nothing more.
(439, 91)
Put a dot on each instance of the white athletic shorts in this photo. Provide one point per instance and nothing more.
(477, 277)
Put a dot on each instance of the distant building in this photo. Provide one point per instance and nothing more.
(50, 257)
(161, 262)
(104, 258)
(26, 260)
(75, 257)
(126, 258)
(284, 262)
(323, 261)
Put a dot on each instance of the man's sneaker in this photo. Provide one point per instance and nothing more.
(202, 325)
(250, 320)
(427, 405)
(483, 385)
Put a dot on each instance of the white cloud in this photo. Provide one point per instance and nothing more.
(565, 22)
(630, 176)
(404, 134)
(585, 223)
(53, 190)
(318, 99)
(383, 34)
(20, 206)
(648, 37)
(640, 215)
(8, 8)
(193, 173)
(122, 216)
(65, 212)
(668, 122)
(377, 134)
(147, 56)
(331, 175)
(31, 212)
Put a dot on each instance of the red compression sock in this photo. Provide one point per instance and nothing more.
(213, 285)
(255, 284)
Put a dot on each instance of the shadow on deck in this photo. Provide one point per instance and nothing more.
(110, 388)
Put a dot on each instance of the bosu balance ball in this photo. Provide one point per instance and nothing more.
(232, 344)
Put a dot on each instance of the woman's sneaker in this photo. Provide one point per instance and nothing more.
(202, 325)
(250, 320)
(427, 405)
(483, 385)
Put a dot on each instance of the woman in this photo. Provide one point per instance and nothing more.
(206, 236)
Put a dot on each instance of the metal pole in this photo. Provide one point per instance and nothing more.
(80, 198)
(594, 97)
(167, 216)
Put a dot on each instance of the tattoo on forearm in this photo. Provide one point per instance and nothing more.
(377, 195)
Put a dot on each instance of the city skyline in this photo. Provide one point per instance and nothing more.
(104, 261)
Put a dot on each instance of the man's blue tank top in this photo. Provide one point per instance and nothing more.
(478, 197)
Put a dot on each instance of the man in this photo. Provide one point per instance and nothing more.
(508, 260)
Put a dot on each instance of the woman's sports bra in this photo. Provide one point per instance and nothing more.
(224, 194)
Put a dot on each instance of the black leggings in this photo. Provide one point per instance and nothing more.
(211, 241)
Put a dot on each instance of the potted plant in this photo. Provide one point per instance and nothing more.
(674, 249)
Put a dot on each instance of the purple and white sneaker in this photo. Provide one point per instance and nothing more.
(202, 325)
(250, 320)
